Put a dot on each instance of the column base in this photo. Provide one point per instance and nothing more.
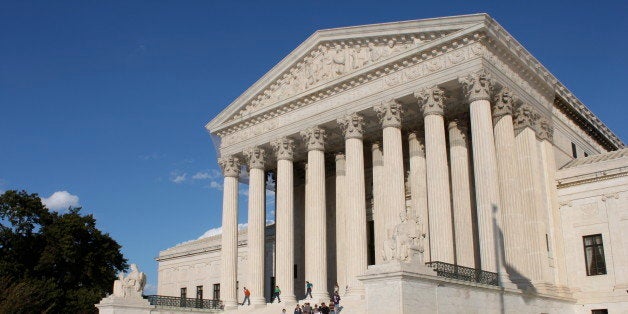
(288, 299)
(256, 301)
(231, 307)
(320, 296)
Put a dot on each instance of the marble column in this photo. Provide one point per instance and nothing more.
(459, 159)
(315, 213)
(477, 89)
(418, 185)
(545, 135)
(256, 158)
(528, 173)
(352, 128)
(284, 218)
(341, 222)
(379, 222)
(512, 216)
(432, 102)
(389, 113)
(228, 280)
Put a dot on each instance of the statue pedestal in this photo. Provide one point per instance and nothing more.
(119, 305)
(399, 288)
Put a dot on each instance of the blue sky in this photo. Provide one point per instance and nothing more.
(107, 100)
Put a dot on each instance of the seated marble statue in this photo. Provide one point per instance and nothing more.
(131, 286)
(405, 245)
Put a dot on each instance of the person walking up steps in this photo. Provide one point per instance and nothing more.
(308, 289)
(276, 294)
(247, 295)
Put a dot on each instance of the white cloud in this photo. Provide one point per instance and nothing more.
(215, 185)
(211, 174)
(178, 177)
(216, 231)
(60, 200)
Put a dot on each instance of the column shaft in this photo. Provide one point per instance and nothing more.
(528, 169)
(356, 215)
(285, 229)
(229, 241)
(315, 224)
(461, 192)
(355, 198)
(418, 185)
(486, 179)
(379, 221)
(341, 231)
(256, 225)
(510, 195)
(394, 183)
(438, 195)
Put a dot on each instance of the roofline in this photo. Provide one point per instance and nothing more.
(492, 28)
(341, 32)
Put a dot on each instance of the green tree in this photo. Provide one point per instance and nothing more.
(52, 262)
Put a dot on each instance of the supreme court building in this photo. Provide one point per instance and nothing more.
(425, 166)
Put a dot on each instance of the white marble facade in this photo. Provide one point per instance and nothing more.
(449, 123)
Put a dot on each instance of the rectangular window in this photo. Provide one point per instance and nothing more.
(295, 271)
(574, 152)
(547, 241)
(216, 295)
(599, 311)
(199, 297)
(594, 255)
(184, 293)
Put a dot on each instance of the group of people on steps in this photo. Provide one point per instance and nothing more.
(332, 307)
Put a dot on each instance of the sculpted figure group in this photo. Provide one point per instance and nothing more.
(131, 286)
(405, 244)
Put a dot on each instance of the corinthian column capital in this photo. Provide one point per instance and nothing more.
(314, 138)
(352, 125)
(431, 100)
(256, 157)
(389, 113)
(283, 148)
(525, 117)
(503, 103)
(230, 165)
(476, 86)
(545, 130)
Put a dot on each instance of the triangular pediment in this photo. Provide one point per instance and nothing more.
(333, 54)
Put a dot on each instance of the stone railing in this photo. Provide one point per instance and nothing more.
(162, 300)
(452, 271)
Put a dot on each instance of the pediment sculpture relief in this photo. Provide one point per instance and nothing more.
(331, 60)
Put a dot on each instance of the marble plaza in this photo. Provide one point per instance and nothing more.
(428, 166)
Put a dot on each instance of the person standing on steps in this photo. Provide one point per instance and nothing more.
(297, 310)
(276, 294)
(247, 295)
(336, 301)
(307, 309)
(308, 289)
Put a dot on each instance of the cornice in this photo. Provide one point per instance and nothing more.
(443, 24)
(480, 28)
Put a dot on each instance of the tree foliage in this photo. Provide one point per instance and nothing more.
(52, 262)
